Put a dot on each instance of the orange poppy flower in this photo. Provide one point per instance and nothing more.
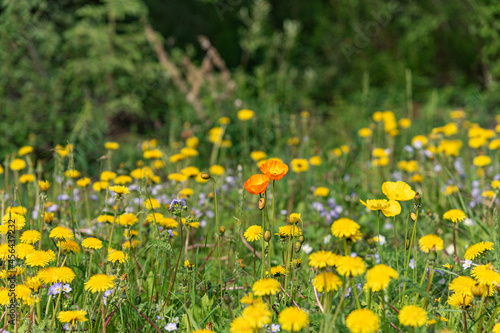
(274, 169)
(257, 184)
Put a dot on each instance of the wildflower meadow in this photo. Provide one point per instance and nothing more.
(395, 230)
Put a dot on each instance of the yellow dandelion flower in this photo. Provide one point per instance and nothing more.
(257, 314)
(328, 279)
(351, 266)
(117, 256)
(40, 258)
(378, 277)
(264, 287)
(61, 233)
(476, 250)
(127, 219)
(412, 315)
(289, 230)
(485, 275)
(299, 165)
(241, 325)
(123, 180)
(83, 182)
(70, 246)
(454, 215)
(258, 155)
(363, 321)
(245, 114)
(23, 249)
(119, 189)
(17, 164)
(460, 299)
(293, 319)
(99, 283)
(151, 203)
(430, 243)
(27, 178)
(322, 259)
(481, 161)
(30, 236)
(345, 228)
(177, 177)
(253, 233)
(321, 191)
(72, 317)
(25, 150)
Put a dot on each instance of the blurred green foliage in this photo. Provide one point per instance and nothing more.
(82, 71)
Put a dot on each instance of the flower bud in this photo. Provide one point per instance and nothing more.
(301, 239)
(478, 290)
(205, 176)
(262, 203)
(222, 230)
(418, 200)
(267, 235)
(48, 217)
(413, 216)
(298, 245)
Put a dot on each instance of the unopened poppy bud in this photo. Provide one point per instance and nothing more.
(222, 230)
(301, 239)
(298, 245)
(418, 200)
(262, 203)
(205, 176)
(478, 290)
(267, 235)
(227, 299)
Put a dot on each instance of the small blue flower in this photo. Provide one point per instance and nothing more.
(412, 264)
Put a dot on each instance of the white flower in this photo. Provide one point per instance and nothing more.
(171, 327)
(307, 248)
(383, 240)
(467, 264)
(412, 264)
(469, 222)
(326, 240)
(450, 249)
